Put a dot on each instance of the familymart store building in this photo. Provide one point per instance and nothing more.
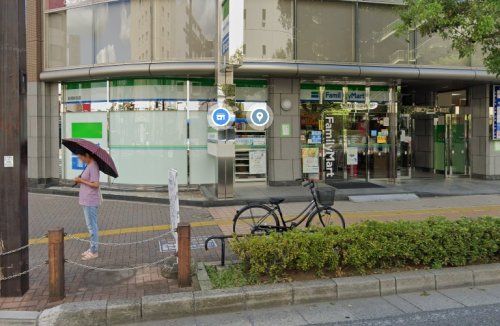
(327, 130)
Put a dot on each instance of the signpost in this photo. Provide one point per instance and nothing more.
(173, 196)
(13, 148)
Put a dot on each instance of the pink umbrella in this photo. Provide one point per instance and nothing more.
(102, 158)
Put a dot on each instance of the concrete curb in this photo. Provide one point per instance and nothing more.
(211, 201)
(168, 306)
(8, 317)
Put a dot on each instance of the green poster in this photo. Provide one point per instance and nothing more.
(86, 130)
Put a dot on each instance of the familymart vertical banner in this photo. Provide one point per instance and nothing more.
(232, 30)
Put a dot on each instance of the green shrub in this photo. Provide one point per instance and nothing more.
(435, 242)
(231, 276)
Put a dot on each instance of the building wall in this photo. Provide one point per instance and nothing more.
(284, 152)
(42, 106)
(485, 153)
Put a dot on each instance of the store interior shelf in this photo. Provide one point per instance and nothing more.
(248, 141)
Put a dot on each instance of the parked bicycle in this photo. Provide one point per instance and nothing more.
(265, 217)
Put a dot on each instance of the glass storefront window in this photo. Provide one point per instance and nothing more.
(269, 29)
(325, 30)
(69, 38)
(153, 124)
(378, 42)
(55, 40)
(184, 29)
(436, 51)
(112, 32)
(79, 22)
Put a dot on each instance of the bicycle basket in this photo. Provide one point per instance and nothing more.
(325, 195)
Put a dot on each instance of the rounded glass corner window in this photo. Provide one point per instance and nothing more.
(259, 116)
(220, 117)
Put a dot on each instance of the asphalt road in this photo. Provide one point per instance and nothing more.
(473, 316)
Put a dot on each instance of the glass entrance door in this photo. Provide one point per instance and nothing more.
(334, 143)
(451, 144)
(457, 144)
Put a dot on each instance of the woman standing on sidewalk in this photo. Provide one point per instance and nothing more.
(90, 200)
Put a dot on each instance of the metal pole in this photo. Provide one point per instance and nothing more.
(393, 132)
(56, 265)
(13, 147)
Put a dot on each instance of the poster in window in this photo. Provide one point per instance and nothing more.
(257, 161)
(352, 156)
(310, 160)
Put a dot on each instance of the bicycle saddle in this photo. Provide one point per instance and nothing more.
(276, 200)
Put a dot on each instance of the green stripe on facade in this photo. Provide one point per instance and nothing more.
(202, 81)
(148, 82)
(329, 87)
(309, 86)
(85, 85)
(356, 87)
(258, 83)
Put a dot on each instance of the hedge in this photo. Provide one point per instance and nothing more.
(435, 242)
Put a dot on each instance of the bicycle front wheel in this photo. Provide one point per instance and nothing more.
(254, 219)
(326, 216)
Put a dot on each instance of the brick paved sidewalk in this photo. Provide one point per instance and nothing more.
(127, 222)
(122, 221)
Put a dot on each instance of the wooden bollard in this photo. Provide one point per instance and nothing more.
(184, 255)
(56, 265)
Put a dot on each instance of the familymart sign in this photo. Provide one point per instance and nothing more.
(334, 93)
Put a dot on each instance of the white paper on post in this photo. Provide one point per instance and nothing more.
(173, 196)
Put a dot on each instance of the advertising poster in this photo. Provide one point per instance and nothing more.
(257, 162)
(315, 137)
(310, 160)
(352, 156)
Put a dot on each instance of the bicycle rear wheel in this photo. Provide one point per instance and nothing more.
(326, 216)
(255, 218)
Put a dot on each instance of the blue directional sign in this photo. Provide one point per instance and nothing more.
(221, 117)
(259, 117)
(496, 112)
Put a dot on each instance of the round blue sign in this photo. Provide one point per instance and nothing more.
(260, 117)
(221, 117)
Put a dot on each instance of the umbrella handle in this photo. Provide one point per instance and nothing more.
(76, 184)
